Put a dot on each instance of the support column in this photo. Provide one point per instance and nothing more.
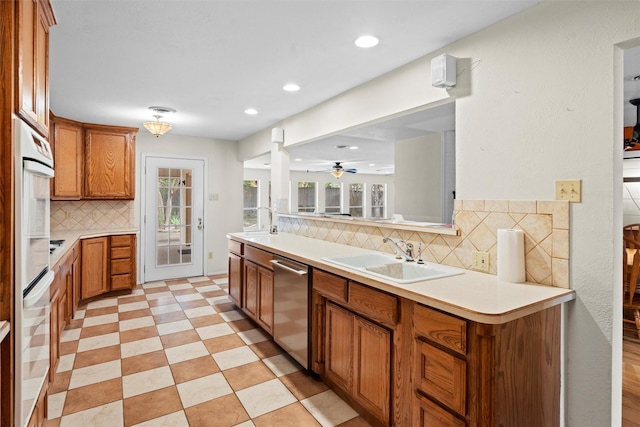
(279, 179)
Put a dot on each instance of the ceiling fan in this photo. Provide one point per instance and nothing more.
(337, 170)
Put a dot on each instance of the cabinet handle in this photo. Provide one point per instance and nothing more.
(200, 226)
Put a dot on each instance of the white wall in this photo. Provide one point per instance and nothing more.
(539, 98)
(223, 178)
(418, 175)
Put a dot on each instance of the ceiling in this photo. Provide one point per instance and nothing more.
(212, 59)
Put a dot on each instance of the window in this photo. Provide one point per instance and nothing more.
(377, 200)
(306, 196)
(333, 197)
(250, 195)
(356, 199)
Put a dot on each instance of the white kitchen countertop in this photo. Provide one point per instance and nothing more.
(476, 296)
(72, 236)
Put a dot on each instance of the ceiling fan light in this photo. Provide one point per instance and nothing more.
(337, 172)
(157, 128)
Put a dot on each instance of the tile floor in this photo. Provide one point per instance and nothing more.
(179, 353)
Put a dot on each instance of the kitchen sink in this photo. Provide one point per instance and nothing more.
(387, 267)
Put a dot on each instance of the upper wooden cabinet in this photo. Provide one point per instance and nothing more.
(67, 143)
(34, 18)
(109, 162)
(92, 161)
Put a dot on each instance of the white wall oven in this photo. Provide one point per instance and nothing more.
(33, 278)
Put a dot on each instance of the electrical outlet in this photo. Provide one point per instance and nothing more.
(480, 261)
(569, 189)
(210, 255)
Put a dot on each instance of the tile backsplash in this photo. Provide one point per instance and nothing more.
(91, 214)
(545, 225)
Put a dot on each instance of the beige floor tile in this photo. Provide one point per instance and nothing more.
(100, 341)
(186, 352)
(235, 357)
(55, 404)
(281, 365)
(140, 305)
(135, 323)
(214, 331)
(253, 336)
(146, 381)
(203, 389)
(229, 316)
(95, 374)
(135, 348)
(70, 335)
(100, 320)
(101, 303)
(163, 309)
(173, 327)
(329, 409)
(109, 415)
(255, 404)
(206, 310)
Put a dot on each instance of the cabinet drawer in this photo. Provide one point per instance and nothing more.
(120, 266)
(125, 240)
(258, 256)
(121, 281)
(235, 247)
(440, 328)
(428, 414)
(442, 376)
(374, 304)
(120, 252)
(329, 285)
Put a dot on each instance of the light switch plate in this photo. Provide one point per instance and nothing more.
(569, 189)
(480, 261)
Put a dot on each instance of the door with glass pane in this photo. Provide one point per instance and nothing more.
(174, 218)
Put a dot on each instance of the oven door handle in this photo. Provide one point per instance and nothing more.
(39, 290)
(37, 168)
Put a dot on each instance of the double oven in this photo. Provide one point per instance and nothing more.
(33, 276)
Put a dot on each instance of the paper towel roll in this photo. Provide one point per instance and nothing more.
(511, 255)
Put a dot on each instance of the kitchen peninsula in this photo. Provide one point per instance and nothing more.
(461, 350)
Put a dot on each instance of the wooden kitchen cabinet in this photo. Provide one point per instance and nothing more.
(95, 267)
(257, 287)
(67, 144)
(109, 162)
(356, 350)
(34, 18)
(235, 271)
(123, 262)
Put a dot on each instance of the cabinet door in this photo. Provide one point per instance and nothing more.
(372, 376)
(77, 278)
(339, 346)
(54, 330)
(235, 278)
(34, 19)
(94, 266)
(250, 291)
(109, 163)
(68, 154)
(123, 262)
(265, 299)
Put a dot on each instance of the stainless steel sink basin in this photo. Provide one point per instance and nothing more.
(387, 267)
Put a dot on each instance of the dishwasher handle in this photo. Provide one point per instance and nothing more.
(277, 263)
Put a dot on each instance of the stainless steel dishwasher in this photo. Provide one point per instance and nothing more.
(291, 308)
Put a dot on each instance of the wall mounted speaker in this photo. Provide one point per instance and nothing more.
(443, 71)
(277, 135)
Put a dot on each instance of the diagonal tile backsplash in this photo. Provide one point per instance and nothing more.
(545, 225)
(91, 214)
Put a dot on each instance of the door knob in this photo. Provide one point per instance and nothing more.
(200, 226)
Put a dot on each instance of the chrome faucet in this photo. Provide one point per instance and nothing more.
(273, 229)
(406, 253)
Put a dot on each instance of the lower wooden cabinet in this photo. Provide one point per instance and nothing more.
(108, 264)
(257, 294)
(236, 267)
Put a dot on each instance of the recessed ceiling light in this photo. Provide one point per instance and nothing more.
(297, 160)
(372, 164)
(266, 165)
(353, 147)
(291, 87)
(251, 111)
(366, 41)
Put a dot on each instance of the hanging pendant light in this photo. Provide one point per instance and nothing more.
(158, 128)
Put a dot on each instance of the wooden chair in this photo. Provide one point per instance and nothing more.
(631, 231)
(631, 270)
